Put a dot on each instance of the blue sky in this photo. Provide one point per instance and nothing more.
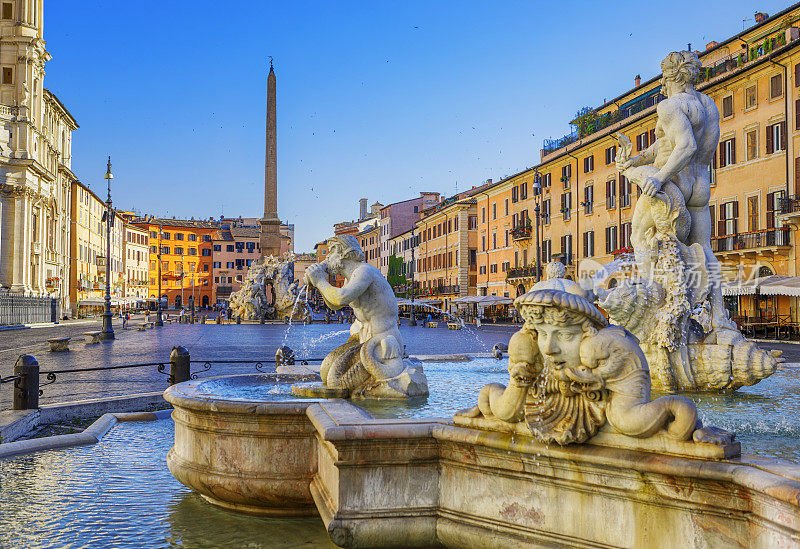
(375, 99)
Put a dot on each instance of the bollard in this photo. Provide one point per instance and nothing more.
(191, 319)
(284, 356)
(203, 319)
(178, 365)
(238, 320)
(263, 319)
(218, 320)
(26, 393)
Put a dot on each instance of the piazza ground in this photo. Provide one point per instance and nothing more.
(204, 342)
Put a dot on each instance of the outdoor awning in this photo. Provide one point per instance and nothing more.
(484, 300)
(765, 285)
(92, 302)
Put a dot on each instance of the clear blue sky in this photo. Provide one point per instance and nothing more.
(375, 99)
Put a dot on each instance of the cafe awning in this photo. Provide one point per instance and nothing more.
(765, 285)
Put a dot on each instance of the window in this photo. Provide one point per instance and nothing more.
(178, 250)
(566, 175)
(752, 213)
(483, 215)
(153, 249)
(8, 75)
(626, 235)
(178, 236)
(728, 218)
(775, 85)
(483, 242)
(624, 192)
(494, 210)
(611, 188)
(473, 222)
(8, 10)
(566, 205)
(514, 194)
(216, 280)
(547, 251)
(611, 154)
(230, 264)
(191, 237)
(727, 106)
(165, 250)
(773, 207)
(217, 248)
(727, 152)
(229, 248)
(523, 191)
(217, 264)
(776, 137)
(588, 199)
(506, 238)
(494, 240)
(566, 248)
(750, 98)
(153, 234)
(505, 209)
(751, 141)
(165, 236)
(588, 244)
(588, 164)
(206, 238)
(611, 239)
(192, 251)
(545, 215)
(546, 180)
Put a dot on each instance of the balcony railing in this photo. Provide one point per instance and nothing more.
(521, 272)
(444, 290)
(523, 232)
(789, 204)
(751, 241)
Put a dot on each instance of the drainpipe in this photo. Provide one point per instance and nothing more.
(486, 251)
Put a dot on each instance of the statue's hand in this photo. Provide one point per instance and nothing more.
(651, 186)
(313, 274)
(623, 163)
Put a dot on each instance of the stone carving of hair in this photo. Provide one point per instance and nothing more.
(681, 66)
(348, 244)
(561, 308)
(555, 269)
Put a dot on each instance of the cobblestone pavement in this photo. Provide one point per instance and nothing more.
(204, 342)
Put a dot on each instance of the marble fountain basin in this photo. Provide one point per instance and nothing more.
(245, 443)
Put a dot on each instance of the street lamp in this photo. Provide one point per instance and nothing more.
(108, 330)
(537, 197)
(412, 321)
(159, 320)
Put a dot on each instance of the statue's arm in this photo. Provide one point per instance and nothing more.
(349, 292)
(678, 129)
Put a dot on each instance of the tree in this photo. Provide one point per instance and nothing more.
(395, 276)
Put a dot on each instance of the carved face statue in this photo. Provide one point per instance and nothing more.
(560, 346)
(334, 259)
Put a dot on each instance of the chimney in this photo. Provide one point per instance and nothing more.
(637, 81)
(489, 181)
(362, 208)
(712, 44)
(761, 17)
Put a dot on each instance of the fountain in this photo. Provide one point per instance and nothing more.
(273, 277)
(572, 451)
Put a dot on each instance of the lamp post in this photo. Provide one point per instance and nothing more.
(108, 330)
(537, 197)
(159, 320)
(412, 321)
(183, 274)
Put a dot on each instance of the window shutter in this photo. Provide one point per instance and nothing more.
(770, 144)
(797, 110)
(783, 135)
(722, 158)
(733, 151)
(652, 136)
(770, 210)
(797, 75)
(713, 221)
(735, 209)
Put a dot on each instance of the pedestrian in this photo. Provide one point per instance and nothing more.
(125, 318)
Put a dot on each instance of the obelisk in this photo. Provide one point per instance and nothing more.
(270, 238)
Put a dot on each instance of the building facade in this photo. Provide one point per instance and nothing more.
(370, 240)
(400, 217)
(89, 262)
(183, 248)
(136, 263)
(35, 159)
(234, 250)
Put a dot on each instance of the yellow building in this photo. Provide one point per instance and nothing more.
(88, 261)
(586, 206)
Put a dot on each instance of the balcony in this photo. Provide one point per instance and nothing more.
(444, 290)
(521, 272)
(751, 242)
(523, 232)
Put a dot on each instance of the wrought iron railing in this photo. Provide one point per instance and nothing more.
(521, 272)
(523, 232)
(751, 240)
(20, 309)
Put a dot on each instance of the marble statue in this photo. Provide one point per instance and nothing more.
(269, 291)
(674, 303)
(371, 363)
(573, 374)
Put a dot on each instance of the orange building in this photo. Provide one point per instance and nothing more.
(370, 240)
(183, 248)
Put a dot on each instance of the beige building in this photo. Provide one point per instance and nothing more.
(35, 158)
(136, 263)
(88, 252)
(233, 251)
